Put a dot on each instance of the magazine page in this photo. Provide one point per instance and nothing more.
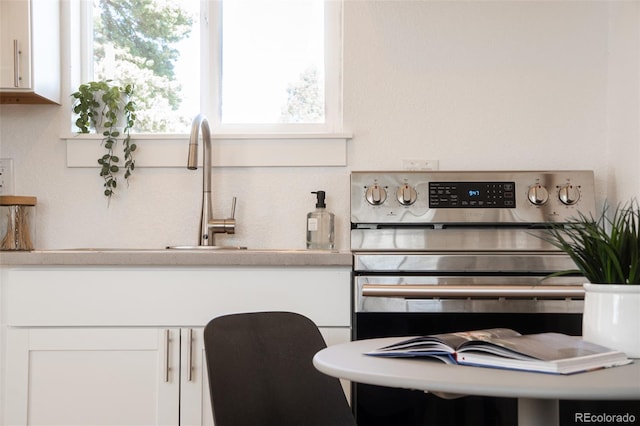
(462, 338)
(416, 346)
(543, 346)
(570, 365)
(446, 343)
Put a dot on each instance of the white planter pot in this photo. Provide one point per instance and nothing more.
(100, 119)
(612, 317)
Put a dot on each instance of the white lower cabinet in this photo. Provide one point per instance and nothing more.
(195, 401)
(79, 353)
(87, 376)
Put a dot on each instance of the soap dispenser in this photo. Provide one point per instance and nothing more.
(320, 230)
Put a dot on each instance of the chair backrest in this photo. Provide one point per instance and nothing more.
(261, 372)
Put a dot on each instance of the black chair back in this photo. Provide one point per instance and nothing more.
(261, 372)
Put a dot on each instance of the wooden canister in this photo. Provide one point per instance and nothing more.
(17, 222)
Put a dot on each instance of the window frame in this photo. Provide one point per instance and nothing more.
(211, 67)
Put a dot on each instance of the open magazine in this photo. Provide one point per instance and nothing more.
(505, 348)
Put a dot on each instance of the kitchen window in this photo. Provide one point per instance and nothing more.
(252, 66)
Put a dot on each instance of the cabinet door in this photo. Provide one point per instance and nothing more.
(14, 44)
(92, 376)
(334, 336)
(195, 402)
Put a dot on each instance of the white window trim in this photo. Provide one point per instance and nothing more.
(334, 66)
(319, 150)
(303, 145)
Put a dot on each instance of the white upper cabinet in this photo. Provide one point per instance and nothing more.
(29, 51)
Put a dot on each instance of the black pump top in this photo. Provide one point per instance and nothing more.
(320, 202)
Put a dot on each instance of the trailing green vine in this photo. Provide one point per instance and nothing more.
(114, 103)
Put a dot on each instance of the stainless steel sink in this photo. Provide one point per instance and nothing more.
(185, 248)
(93, 249)
(205, 248)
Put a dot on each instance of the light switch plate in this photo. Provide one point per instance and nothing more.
(6, 176)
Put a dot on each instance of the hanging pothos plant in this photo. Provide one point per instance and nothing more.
(109, 110)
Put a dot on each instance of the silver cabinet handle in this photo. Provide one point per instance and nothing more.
(189, 353)
(16, 64)
(166, 355)
(451, 291)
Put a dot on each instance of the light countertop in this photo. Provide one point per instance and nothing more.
(163, 257)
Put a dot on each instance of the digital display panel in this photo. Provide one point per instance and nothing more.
(472, 195)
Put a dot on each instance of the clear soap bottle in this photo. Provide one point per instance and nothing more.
(320, 225)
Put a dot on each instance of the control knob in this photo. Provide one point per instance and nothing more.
(376, 195)
(569, 194)
(406, 195)
(538, 194)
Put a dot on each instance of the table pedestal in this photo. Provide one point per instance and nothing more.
(538, 412)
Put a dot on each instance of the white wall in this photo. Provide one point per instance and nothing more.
(475, 85)
(623, 108)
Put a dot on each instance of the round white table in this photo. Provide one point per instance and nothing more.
(537, 393)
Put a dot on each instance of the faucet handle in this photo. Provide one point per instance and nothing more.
(233, 208)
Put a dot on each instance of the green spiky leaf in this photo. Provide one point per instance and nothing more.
(606, 249)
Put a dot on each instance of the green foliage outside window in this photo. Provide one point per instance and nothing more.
(141, 35)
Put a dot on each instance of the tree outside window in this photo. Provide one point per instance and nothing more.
(137, 41)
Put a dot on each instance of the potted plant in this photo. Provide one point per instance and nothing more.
(606, 250)
(108, 109)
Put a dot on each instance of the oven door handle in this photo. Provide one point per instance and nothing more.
(412, 291)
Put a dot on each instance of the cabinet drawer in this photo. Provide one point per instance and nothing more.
(184, 296)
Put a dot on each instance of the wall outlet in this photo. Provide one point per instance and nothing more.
(6, 176)
(419, 164)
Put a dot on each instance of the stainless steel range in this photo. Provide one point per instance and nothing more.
(464, 241)
(450, 251)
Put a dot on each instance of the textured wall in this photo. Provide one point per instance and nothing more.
(475, 85)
